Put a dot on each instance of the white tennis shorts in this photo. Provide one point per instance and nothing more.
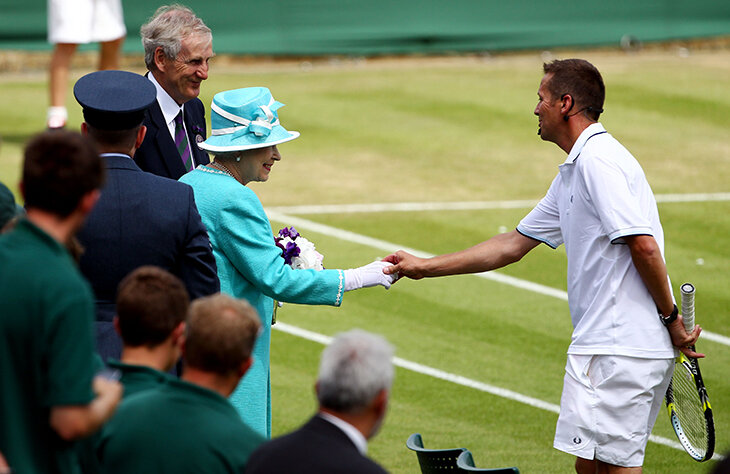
(609, 406)
(85, 21)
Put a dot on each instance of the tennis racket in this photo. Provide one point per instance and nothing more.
(687, 401)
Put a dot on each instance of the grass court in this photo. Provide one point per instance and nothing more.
(461, 130)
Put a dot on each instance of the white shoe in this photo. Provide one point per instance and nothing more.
(56, 117)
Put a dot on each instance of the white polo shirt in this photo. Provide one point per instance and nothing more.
(600, 195)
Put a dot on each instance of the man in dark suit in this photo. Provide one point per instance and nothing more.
(355, 376)
(177, 47)
(140, 219)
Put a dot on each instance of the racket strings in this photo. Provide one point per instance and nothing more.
(689, 409)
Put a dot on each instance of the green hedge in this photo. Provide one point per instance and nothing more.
(358, 27)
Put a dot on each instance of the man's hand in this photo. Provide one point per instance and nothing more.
(404, 264)
(682, 340)
(73, 422)
(4, 468)
(110, 389)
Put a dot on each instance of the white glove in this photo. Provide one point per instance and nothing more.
(367, 276)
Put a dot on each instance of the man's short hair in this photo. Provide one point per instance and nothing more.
(60, 167)
(579, 79)
(355, 367)
(122, 139)
(166, 29)
(220, 334)
(151, 302)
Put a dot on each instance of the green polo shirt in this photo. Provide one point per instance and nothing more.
(180, 428)
(46, 347)
(135, 379)
(138, 378)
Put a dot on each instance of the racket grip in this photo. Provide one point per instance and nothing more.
(687, 291)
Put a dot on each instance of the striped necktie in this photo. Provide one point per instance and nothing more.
(181, 143)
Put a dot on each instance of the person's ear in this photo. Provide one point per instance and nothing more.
(88, 201)
(160, 59)
(115, 322)
(380, 402)
(567, 104)
(178, 335)
(140, 136)
(245, 365)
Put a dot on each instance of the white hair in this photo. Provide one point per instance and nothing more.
(167, 28)
(354, 368)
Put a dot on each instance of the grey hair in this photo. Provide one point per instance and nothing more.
(226, 155)
(354, 368)
(167, 28)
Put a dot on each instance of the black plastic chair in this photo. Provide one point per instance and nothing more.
(465, 463)
(433, 460)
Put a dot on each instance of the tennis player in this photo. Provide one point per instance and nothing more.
(625, 321)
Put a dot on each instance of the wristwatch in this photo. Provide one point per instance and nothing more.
(667, 320)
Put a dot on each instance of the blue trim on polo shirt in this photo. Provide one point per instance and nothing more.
(617, 236)
(544, 241)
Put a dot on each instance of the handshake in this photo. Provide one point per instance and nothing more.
(382, 272)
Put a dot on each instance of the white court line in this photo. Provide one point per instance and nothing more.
(436, 373)
(389, 247)
(465, 205)
(405, 207)
(464, 381)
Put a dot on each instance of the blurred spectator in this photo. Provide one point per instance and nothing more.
(74, 22)
(49, 395)
(151, 308)
(177, 48)
(355, 376)
(189, 425)
(141, 219)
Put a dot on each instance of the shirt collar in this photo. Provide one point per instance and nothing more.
(26, 225)
(353, 433)
(169, 107)
(115, 154)
(591, 130)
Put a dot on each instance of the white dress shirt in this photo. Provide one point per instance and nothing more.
(170, 109)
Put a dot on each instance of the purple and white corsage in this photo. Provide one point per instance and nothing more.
(297, 252)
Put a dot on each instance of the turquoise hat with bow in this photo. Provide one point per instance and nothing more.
(244, 119)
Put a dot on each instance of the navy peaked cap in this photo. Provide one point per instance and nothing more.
(114, 100)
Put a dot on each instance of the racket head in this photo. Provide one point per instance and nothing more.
(689, 410)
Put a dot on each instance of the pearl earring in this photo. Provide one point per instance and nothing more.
(238, 158)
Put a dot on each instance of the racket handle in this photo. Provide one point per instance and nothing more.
(687, 291)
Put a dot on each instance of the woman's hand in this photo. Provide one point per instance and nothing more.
(367, 276)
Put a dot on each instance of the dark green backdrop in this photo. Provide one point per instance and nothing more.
(314, 27)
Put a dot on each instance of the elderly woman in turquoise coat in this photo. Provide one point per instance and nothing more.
(244, 139)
